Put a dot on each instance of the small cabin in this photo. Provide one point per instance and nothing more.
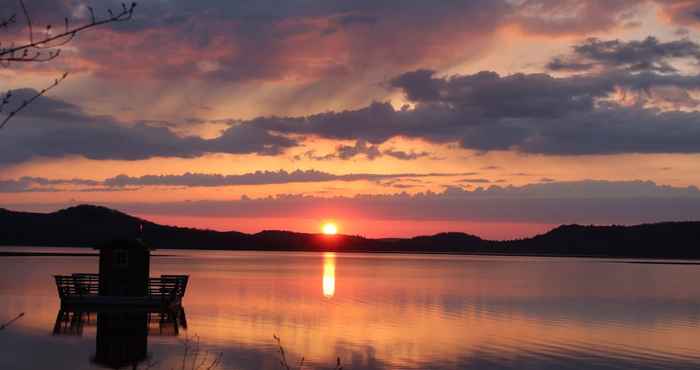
(124, 268)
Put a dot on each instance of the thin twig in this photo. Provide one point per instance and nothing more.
(5, 325)
(186, 343)
(7, 22)
(22, 53)
(216, 362)
(29, 21)
(283, 357)
(28, 101)
(193, 358)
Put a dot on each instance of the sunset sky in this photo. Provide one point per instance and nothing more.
(501, 118)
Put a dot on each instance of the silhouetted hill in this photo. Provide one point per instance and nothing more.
(87, 226)
(660, 240)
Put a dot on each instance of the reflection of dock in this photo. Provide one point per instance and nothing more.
(158, 322)
(122, 335)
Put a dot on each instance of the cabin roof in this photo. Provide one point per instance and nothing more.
(135, 243)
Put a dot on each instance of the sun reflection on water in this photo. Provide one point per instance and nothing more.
(329, 274)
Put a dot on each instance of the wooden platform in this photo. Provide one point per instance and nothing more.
(83, 289)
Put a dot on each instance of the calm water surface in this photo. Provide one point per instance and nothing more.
(386, 312)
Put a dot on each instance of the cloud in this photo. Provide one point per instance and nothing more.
(406, 156)
(537, 113)
(682, 12)
(569, 64)
(50, 182)
(529, 113)
(260, 178)
(360, 147)
(36, 184)
(646, 55)
(304, 40)
(492, 95)
(55, 129)
(567, 17)
(235, 41)
(366, 150)
(15, 186)
(588, 201)
(28, 184)
(475, 181)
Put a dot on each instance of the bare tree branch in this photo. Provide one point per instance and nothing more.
(26, 103)
(29, 21)
(46, 48)
(7, 22)
(5, 325)
(19, 53)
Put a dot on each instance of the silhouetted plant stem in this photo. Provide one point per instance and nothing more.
(284, 363)
(5, 325)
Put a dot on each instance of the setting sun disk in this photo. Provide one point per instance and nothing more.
(329, 228)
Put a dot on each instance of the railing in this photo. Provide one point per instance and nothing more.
(172, 286)
(78, 285)
(87, 285)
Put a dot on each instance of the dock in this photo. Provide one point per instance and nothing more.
(83, 289)
(123, 302)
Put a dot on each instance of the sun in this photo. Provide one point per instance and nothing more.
(329, 228)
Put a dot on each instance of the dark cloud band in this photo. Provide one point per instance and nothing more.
(587, 201)
(38, 184)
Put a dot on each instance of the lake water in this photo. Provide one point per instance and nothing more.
(383, 312)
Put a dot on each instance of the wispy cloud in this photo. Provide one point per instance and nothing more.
(39, 184)
(586, 201)
(649, 54)
(364, 150)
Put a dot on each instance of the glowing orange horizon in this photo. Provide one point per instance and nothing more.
(356, 225)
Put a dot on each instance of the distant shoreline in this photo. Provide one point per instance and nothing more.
(88, 226)
(46, 254)
(626, 259)
(58, 254)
